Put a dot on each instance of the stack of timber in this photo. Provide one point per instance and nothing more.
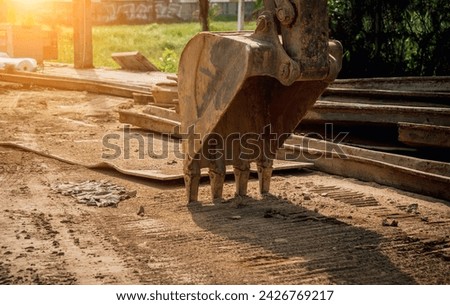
(158, 112)
(412, 174)
(97, 86)
(408, 114)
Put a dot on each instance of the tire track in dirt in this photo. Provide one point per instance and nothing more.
(35, 258)
(314, 229)
(47, 239)
(209, 244)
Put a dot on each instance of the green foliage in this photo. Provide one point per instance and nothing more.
(169, 61)
(259, 5)
(214, 11)
(392, 38)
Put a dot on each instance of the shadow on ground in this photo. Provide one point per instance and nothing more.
(293, 245)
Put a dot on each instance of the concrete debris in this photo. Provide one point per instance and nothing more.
(94, 193)
(389, 223)
(412, 208)
(271, 213)
(235, 217)
(141, 211)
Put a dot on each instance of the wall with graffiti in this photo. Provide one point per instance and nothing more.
(106, 12)
(132, 12)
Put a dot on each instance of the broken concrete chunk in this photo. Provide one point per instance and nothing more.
(141, 211)
(94, 193)
(412, 208)
(389, 223)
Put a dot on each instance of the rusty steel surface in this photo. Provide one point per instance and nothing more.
(241, 95)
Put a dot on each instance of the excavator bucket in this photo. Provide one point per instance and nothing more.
(242, 94)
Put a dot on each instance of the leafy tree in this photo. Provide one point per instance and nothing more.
(392, 38)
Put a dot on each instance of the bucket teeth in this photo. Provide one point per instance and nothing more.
(241, 175)
(217, 178)
(192, 179)
(265, 168)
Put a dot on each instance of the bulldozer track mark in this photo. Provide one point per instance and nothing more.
(287, 254)
(261, 240)
(346, 196)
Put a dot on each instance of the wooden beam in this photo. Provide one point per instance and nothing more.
(393, 94)
(143, 99)
(162, 112)
(165, 94)
(133, 61)
(82, 34)
(425, 177)
(150, 122)
(418, 135)
(67, 83)
(324, 111)
(414, 83)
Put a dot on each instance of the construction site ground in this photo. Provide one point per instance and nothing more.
(313, 228)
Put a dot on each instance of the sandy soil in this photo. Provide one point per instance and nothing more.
(313, 229)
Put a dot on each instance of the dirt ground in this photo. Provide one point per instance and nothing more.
(313, 229)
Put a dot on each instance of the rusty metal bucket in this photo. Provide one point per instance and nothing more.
(242, 94)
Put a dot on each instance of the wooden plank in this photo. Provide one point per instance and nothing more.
(175, 107)
(324, 111)
(150, 122)
(434, 167)
(411, 83)
(387, 93)
(91, 76)
(173, 77)
(418, 135)
(165, 94)
(143, 99)
(168, 83)
(64, 83)
(133, 61)
(82, 34)
(162, 112)
(425, 177)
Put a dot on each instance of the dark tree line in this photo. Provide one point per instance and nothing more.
(392, 38)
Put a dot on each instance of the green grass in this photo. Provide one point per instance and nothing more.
(162, 44)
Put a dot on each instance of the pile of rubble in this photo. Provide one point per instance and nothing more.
(94, 193)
